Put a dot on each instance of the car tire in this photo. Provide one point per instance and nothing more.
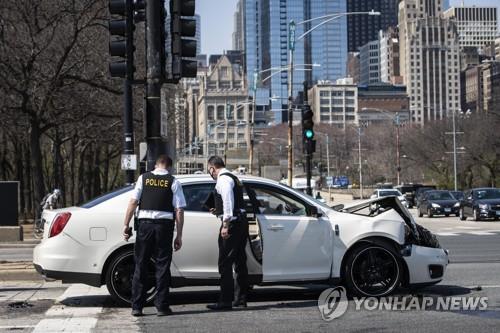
(462, 215)
(382, 262)
(457, 214)
(475, 213)
(447, 215)
(420, 214)
(429, 213)
(119, 275)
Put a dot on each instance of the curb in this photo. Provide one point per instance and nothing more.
(20, 275)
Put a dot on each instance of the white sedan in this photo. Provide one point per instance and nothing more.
(293, 239)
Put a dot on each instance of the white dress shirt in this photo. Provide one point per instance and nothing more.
(224, 187)
(178, 200)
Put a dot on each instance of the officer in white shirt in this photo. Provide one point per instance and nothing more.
(233, 236)
(160, 200)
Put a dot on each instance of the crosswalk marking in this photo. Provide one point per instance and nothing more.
(62, 318)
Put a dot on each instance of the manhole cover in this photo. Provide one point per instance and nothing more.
(20, 305)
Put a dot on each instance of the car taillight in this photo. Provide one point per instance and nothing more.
(60, 222)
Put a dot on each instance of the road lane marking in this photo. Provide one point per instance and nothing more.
(68, 318)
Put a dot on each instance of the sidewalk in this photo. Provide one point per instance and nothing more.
(14, 270)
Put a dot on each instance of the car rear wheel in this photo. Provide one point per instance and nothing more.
(119, 278)
(429, 212)
(462, 215)
(373, 270)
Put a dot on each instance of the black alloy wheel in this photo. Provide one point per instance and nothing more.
(119, 278)
(373, 270)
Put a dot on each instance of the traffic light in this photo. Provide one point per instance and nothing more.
(308, 122)
(183, 45)
(121, 31)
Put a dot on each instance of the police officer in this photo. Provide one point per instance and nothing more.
(233, 236)
(159, 197)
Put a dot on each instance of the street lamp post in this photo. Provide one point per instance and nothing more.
(291, 40)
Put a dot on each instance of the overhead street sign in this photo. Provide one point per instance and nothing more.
(291, 35)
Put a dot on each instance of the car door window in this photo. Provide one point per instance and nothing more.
(271, 202)
(196, 195)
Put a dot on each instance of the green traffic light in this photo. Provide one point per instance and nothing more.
(309, 134)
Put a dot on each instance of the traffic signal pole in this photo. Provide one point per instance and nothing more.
(308, 150)
(154, 76)
(128, 118)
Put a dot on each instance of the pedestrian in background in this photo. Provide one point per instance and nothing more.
(160, 200)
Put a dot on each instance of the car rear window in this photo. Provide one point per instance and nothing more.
(106, 197)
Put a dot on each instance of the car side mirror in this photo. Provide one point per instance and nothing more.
(314, 212)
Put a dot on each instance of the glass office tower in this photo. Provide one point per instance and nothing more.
(266, 45)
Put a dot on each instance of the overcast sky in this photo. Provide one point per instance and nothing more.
(217, 21)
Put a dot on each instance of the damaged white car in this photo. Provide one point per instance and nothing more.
(372, 247)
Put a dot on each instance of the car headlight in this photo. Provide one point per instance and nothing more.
(484, 206)
(457, 204)
(435, 205)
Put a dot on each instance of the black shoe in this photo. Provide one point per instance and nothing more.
(240, 304)
(136, 313)
(166, 312)
(220, 306)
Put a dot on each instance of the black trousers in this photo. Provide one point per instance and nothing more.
(232, 252)
(153, 239)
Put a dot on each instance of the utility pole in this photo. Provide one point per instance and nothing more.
(154, 56)
(454, 151)
(398, 151)
(360, 164)
(291, 36)
(252, 121)
(128, 118)
(328, 155)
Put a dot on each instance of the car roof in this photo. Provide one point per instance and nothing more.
(206, 177)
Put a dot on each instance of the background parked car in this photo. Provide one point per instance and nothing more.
(408, 191)
(420, 191)
(480, 203)
(379, 193)
(438, 203)
(459, 195)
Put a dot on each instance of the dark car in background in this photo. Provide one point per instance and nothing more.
(420, 191)
(481, 203)
(438, 203)
(408, 191)
(459, 195)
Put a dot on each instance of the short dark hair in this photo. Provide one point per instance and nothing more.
(217, 162)
(165, 160)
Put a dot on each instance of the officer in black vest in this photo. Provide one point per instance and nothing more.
(233, 236)
(161, 200)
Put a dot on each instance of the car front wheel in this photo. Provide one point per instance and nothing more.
(373, 270)
(119, 278)
(477, 217)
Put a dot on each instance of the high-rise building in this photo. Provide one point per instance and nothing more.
(198, 33)
(362, 29)
(429, 60)
(497, 48)
(476, 26)
(389, 56)
(239, 30)
(369, 60)
(267, 45)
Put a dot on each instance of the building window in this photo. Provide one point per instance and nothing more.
(220, 112)
(210, 112)
(223, 72)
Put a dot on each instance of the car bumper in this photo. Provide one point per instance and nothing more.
(61, 258)
(426, 265)
(489, 213)
(445, 210)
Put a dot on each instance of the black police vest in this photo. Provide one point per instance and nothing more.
(239, 204)
(157, 192)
